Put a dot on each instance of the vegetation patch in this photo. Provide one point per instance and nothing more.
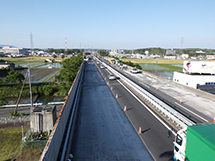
(171, 67)
(32, 154)
(10, 142)
(29, 59)
(153, 61)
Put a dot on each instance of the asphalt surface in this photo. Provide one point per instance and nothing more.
(5, 112)
(103, 132)
(154, 133)
(198, 106)
(106, 132)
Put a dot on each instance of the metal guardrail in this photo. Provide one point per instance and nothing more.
(34, 104)
(179, 119)
(22, 105)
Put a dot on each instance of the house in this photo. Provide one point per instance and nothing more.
(170, 52)
(5, 65)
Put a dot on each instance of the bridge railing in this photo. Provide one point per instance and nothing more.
(58, 139)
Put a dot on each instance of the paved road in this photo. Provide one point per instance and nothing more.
(154, 133)
(103, 130)
(5, 112)
(198, 105)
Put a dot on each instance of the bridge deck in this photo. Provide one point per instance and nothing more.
(103, 131)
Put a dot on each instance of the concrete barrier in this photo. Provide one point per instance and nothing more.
(56, 142)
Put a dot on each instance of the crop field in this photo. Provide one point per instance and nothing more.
(10, 142)
(10, 146)
(153, 61)
(159, 61)
(38, 74)
(18, 61)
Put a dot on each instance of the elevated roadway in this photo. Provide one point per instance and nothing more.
(103, 131)
(106, 132)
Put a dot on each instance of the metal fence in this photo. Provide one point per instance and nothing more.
(33, 143)
(27, 142)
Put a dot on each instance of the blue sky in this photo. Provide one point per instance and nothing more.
(109, 24)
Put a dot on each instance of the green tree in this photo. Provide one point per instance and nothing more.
(14, 76)
(70, 69)
(1, 81)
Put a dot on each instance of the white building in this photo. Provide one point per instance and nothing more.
(5, 65)
(169, 57)
(9, 50)
(170, 52)
(196, 73)
(193, 80)
(185, 56)
(147, 52)
(200, 52)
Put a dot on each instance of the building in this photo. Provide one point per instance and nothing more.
(184, 56)
(169, 57)
(12, 51)
(196, 74)
(193, 80)
(43, 118)
(5, 65)
(200, 52)
(170, 52)
(147, 52)
(210, 56)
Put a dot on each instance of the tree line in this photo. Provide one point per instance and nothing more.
(12, 84)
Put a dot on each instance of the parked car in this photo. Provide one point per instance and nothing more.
(102, 66)
(111, 77)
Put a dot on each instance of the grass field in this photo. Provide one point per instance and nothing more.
(10, 142)
(159, 61)
(18, 61)
(10, 146)
(153, 61)
(30, 154)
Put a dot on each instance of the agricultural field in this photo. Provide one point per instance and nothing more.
(159, 61)
(18, 61)
(10, 146)
(153, 61)
(40, 70)
(38, 74)
(10, 142)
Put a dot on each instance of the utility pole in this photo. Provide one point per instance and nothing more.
(182, 41)
(65, 45)
(17, 103)
(15, 110)
(32, 45)
(29, 74)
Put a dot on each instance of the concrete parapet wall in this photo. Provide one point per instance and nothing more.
(53, 146)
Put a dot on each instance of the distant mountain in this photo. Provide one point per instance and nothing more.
(1, 46)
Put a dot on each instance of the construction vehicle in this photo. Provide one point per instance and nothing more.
(195, 143)
(112, 61)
